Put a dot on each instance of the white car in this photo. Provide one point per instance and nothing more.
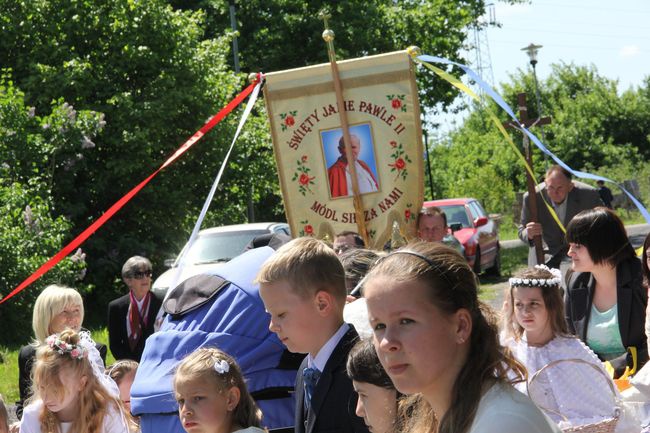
(214, 247)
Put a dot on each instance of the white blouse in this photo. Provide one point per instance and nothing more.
(569, 389)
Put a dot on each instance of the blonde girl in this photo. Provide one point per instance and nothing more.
(70, 393)
(436, 340)
(572, 392)
(212, 395)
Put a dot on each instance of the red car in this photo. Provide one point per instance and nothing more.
(474, 229)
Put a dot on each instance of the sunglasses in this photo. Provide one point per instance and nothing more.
(141, 274)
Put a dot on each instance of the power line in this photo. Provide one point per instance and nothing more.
(600, 47)
(597, 35)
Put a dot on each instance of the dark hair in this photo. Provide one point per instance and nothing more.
(358, 240)
(356, 263)
(363, 365)
(451, 286)
(558, 168)
(602, 232)
(553, 302)
(644, 262)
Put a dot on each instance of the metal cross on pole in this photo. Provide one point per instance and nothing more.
(532, 201)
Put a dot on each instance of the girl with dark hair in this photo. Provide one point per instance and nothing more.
(378, 399)
(606, 301)
(434, 337)
(541, 341)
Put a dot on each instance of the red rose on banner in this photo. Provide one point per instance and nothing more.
(408, 215)
(397, 102)
(302, 176)
(307, 229)
(288, 119)
(393, 143)
(400, 159)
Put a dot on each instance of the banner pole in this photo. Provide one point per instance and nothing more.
(328, 36)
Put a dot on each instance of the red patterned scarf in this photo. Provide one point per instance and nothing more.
(137, 319)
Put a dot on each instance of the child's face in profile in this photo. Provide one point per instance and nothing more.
(377, 406)
(202, 408)
(421, 347)
(64, 402)
(531, 314)
(125, 388)
(293, 318)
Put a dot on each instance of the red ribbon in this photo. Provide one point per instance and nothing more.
(121, 202)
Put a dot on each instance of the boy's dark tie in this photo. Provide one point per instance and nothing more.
(310, 378)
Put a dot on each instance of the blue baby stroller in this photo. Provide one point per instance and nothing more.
(223, 311)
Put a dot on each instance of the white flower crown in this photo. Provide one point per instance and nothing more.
(538, 282)
(76, 351)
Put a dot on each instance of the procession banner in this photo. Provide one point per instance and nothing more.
(381, 102)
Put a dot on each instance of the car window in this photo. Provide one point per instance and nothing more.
(218, 247)
(480, 206)
(477, 209)
(456, 214)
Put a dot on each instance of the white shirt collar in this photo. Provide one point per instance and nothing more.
(325, 352)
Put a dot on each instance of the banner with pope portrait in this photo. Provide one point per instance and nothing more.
(381, 104)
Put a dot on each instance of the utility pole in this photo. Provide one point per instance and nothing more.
(235, 53)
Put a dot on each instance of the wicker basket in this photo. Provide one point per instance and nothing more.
(607, 425)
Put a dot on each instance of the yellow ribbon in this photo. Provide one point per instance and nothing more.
(463, 87)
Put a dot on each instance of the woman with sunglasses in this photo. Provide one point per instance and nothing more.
(131, 317)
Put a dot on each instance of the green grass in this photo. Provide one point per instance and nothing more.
(9, 366)
(512, 260)
(631, 217)
(508, 227)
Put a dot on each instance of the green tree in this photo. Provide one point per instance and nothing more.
(282, 34)
(29, 231)
(594, 128)
(148, 70)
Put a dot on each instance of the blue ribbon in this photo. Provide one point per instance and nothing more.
(501, 103)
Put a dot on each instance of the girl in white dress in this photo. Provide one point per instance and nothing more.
(212, 395)
(436, 340)
(539, 336)
(70, 394)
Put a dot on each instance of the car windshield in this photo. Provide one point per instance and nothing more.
(220, 247)
(456, 214)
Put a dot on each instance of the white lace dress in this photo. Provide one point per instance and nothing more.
(572, 389)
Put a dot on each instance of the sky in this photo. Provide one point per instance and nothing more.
(612, 35)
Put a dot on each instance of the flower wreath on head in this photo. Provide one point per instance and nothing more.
(76, 351)
(555, 280)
